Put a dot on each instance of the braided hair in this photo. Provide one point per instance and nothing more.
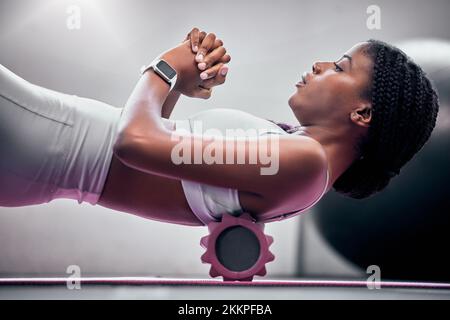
(404, 111)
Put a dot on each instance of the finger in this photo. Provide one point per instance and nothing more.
(217, 43)
(205, 46)
(225, 59)
(217, 80)
(187, 37)
(195, 39)
(211, 72)
(212, 57)
(202, 35)
(204, 93)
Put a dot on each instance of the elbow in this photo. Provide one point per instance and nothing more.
(138, 149)
(126, 147)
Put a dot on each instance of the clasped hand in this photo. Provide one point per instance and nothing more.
(200, 61)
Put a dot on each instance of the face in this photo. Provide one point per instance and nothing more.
(332, 92)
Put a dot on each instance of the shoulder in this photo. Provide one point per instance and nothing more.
(304, 165)
(315, 153)
(305, 156)
(303, 162)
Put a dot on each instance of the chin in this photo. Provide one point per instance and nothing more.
(297, 108)
(294, 102)
(291, 101)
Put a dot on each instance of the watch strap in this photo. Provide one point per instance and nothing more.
(153, 65)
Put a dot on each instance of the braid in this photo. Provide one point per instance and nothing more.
(406, 107)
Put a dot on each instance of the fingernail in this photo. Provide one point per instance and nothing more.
(199, 57)
(224, 71)
(203, 75)
(202, 66)
(195, 48)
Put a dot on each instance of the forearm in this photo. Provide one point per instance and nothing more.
(169, 104)
(141, 117)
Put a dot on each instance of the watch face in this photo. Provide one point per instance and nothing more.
(166, 69)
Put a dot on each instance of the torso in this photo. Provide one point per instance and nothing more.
(146, 195)
(151, 196)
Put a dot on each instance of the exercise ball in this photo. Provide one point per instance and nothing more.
(405, 229)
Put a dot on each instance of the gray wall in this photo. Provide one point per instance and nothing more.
(271, 44)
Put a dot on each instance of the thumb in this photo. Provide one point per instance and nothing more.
(204, 93)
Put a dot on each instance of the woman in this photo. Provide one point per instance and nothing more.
(362, 118)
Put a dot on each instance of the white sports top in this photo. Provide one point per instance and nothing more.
(209, 202)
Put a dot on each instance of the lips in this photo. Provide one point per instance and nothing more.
(302, 83)
(304, 76)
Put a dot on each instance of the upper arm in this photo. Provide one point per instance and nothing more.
(304, 185)
(283, 162)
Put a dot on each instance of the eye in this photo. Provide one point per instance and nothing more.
(337, 68)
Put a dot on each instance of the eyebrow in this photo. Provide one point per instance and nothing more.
(348, 57)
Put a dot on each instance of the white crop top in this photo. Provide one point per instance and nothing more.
(209, 202)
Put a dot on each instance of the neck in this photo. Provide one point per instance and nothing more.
(340, 151)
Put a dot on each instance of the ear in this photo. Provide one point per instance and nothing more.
(362, 115)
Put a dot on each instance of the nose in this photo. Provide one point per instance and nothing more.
(316, 67)
(320, 66)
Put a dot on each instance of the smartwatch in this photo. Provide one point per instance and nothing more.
(162, 69)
